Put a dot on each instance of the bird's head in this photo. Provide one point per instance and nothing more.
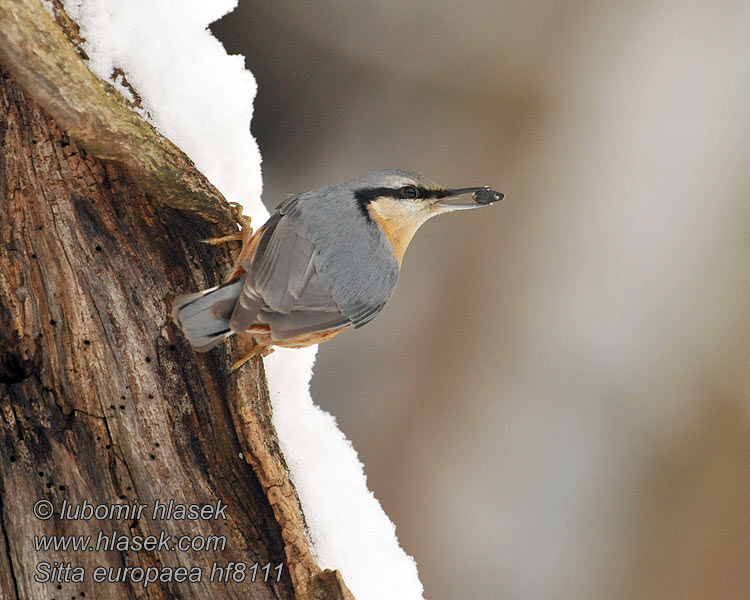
(400, 201)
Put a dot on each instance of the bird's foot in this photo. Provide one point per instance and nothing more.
(243, 235)
(232, 237)
(257, 350)
(243, 220)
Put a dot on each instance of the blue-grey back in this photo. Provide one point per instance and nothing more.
(353, 259)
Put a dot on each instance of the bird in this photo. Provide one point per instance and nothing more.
(325, 260)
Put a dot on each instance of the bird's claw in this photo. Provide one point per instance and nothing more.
(245, 232)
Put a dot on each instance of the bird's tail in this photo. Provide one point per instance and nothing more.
(204, 316)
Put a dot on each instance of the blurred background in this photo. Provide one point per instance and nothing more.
(556, 402)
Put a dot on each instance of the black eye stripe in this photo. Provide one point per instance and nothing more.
(425, 193)
(366, 195)
(370, 194)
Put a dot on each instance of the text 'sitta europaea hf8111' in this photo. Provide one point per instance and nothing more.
(324, 261)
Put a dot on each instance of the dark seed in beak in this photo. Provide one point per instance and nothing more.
(486, 196)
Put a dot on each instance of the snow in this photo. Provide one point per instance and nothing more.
(201, 99)
(348, 526)
(192, 91)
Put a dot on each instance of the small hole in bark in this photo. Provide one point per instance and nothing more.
(152, 456)
(122, 497)
(86, 342)
(98, 248)
(52, 322)
(108, 446)
(127, 489)
(98, 438)
(50, 484)
(12, 459)
(61, 488)
(148, 359)
(156, 444)
(40, 227)
(150, 396)
(33, 256)
(112, 406)
(122, 407)
(41, 474)
(172, 347)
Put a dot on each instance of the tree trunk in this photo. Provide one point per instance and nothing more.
(102, 401)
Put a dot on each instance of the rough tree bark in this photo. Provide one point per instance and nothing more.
(101, 399)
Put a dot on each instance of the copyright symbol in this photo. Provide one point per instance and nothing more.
(43, 509)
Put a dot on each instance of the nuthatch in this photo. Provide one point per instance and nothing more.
(324, 261)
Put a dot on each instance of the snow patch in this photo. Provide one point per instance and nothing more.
(191, 90)
(349, 528)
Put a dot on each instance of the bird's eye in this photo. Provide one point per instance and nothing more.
(409, 191)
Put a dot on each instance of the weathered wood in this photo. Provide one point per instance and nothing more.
(46, 63)
(101, 399)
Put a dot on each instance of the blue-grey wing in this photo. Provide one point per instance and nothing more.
(296, 283)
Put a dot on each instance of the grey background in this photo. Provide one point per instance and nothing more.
(556, 401)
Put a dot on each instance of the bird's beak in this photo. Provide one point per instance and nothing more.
(466, 198)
